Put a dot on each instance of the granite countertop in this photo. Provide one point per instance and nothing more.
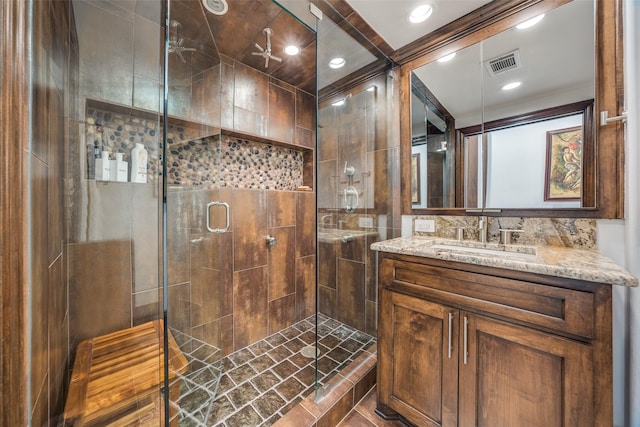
(570, 263)
(330, 235)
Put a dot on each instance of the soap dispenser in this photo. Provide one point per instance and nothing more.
(119, 169)
(103, 167)
(139, 159)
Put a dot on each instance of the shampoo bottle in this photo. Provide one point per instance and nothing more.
(139, 159)
(103, 167)
(119, 169)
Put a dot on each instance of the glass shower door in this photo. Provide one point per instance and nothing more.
(198, 280)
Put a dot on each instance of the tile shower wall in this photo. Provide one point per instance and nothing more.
(54, 55)
(567, 232)
(121, 258)
(231, 290)
(120, 220)
(273, 287)
(359, 134)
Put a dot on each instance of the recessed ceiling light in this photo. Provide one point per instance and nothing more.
(338, 103)
(530, 23)
(337, 62)
(421, 13)
(371, 89)
(512, 85)
(447, 58)
(292, 50)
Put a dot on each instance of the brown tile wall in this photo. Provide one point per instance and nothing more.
(208, 88)
(106, 214)
(358, 133)
(53, 84)
(228, 289)
(239, 290)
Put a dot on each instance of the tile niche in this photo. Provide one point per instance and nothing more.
(198, 155)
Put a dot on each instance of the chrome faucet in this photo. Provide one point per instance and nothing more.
(483, 226)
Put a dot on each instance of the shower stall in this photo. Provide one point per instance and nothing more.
(192, 178)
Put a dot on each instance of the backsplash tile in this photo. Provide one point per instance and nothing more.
(564, 232)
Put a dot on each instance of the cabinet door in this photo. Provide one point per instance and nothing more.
(515, 376)
(418, 359)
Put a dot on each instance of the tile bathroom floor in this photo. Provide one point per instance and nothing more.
(363, 414)
(256, 385)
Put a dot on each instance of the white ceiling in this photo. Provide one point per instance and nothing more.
(557, 66)
(390, 18)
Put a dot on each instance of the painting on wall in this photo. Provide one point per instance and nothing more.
(563, 172)
(415, 178)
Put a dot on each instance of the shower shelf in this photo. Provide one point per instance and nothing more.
(192, 129)
(307, 153)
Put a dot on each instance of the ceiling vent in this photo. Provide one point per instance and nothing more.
(502, 63)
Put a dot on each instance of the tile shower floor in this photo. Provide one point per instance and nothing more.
(256, 385)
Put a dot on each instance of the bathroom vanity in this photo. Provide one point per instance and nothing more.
(470, 336)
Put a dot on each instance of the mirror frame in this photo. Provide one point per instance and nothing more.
(492, 19)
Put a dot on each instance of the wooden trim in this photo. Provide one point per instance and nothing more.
(603, 357)
(477, 25)
(366, 35)
(609, 97)
(532, 117)
(358, 78)
(405, 139)
(14, 146)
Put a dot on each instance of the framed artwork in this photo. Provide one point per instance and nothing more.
(415, 178)
(563, 171)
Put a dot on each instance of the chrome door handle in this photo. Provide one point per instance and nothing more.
(450, 328)
(465, 338)
(226, 208)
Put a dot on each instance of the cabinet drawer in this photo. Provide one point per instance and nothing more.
(566, 310)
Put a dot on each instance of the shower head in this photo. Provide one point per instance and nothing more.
(217, 7)
(266, 52)
(176, 43)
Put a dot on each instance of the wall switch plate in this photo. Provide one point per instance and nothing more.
(425, 225)
(365, 222)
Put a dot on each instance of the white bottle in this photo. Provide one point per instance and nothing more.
(103, 167)
(119, 169)
(139, 159)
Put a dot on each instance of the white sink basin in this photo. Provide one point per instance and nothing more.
(483, 251)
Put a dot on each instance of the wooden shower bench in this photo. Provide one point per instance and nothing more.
(117, 377)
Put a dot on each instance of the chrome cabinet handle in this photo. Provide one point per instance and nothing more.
(226, 208)
(450, 328)
(465, 339)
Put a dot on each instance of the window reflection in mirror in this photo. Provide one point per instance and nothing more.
(511, 166)
(535, 160)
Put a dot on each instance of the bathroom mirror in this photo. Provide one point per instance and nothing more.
(513, 166)
(472, 145)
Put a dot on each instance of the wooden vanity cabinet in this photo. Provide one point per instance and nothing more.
(464, 345)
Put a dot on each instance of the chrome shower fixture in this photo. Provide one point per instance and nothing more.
(176, 43)
(266, 52)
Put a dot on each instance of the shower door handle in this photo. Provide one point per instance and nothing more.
(226, 209)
